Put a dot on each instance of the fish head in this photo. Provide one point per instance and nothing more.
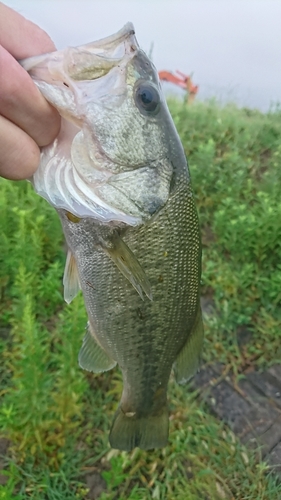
(112, 158)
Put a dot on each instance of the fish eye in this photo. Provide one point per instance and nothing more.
(147, 98)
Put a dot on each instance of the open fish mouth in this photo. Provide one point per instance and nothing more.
(98, 58)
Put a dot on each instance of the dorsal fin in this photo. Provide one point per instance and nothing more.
(188, 360)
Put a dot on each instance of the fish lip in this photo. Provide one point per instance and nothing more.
(127, 31)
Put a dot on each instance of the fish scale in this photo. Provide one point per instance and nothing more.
(123, 333)
(118, 177)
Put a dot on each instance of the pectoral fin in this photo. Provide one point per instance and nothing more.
(70, 278)
(92, 357)
(129, 266)
(188, 360)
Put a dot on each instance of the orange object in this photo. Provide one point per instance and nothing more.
(182, 80)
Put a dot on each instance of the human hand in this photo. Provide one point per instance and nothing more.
(27, 120)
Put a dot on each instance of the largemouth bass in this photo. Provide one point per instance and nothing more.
(118, 177)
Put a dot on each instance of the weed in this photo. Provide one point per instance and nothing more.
(57, 417)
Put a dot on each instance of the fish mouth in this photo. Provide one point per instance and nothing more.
(105, 54)
(99, 58)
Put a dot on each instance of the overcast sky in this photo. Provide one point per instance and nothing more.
(232, 47)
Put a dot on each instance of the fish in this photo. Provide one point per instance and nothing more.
(118, 177)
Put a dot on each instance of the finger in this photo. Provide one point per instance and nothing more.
(19, 154)
(21, 37)
(22, 103)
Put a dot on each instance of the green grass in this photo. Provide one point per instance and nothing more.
(57, 417)
(235, 161)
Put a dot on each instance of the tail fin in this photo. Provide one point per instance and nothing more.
(129, 431)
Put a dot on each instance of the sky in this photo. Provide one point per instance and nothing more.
(232, 47)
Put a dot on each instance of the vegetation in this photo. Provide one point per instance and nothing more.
(57, 417)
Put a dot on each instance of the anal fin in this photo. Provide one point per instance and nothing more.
(92, 356)
(188, 360)
(70, 278)
(129, 266)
